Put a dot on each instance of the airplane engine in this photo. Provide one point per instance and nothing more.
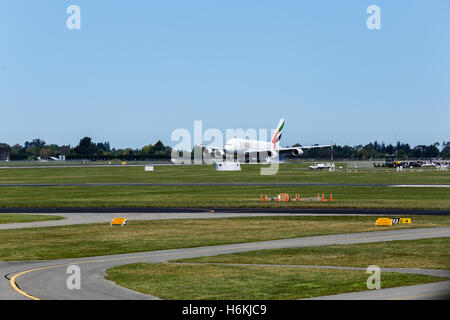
(272, 154)
(297, 152)
(208, 151)
(219, 153)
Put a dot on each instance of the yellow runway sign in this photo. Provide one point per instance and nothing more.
(389, 221)
(119, 222)
(383, 222)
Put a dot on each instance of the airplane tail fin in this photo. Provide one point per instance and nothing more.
(277, 135)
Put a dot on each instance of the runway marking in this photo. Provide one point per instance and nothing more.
(13, 284)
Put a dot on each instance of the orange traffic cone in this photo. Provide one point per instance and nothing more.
(261, 200)
(265, 197)
(323, 198)
(298, 197)
(331, 197)
(318, 197)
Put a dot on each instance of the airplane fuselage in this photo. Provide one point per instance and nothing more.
(239, 145)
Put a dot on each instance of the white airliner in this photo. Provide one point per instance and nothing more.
(258, 148)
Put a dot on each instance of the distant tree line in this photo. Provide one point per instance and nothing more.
(88, 150)
(85, 150)
(375, 150)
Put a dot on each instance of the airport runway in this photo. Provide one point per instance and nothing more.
(242, 211)
(47, 279)
(220, 184)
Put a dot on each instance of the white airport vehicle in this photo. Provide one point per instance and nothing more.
(180, 161)
(257, 149)
(428, 164)
(321, 166)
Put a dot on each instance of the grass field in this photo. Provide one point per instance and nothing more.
(220, 196)
(424, 253)
(17, 218)
(209, 282)
(102, 239)
(288, 172)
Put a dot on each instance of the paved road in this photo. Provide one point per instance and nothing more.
(47, 279)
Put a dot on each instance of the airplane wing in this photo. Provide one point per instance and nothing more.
(298, 151)
(293, 150)
(317, 146)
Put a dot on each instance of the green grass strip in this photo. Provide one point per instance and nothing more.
(139, 236)
(210, 282)
(423, 253)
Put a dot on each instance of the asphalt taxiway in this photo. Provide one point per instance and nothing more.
(47, 279)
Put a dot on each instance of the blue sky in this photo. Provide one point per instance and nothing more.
(138, 70)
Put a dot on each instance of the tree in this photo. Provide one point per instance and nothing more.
(5, 150)
(445, 153)
(18, 152)
(64, 150)
(432, 151)
(104, 146)
(159, 146)
(38, 143)
(146, 150)
(418, 151)
(401, 154)
(44, 153)
(390, 149)
(86, 147)
(128, 152)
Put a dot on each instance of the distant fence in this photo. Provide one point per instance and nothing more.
(95, 158)
(123, 158)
